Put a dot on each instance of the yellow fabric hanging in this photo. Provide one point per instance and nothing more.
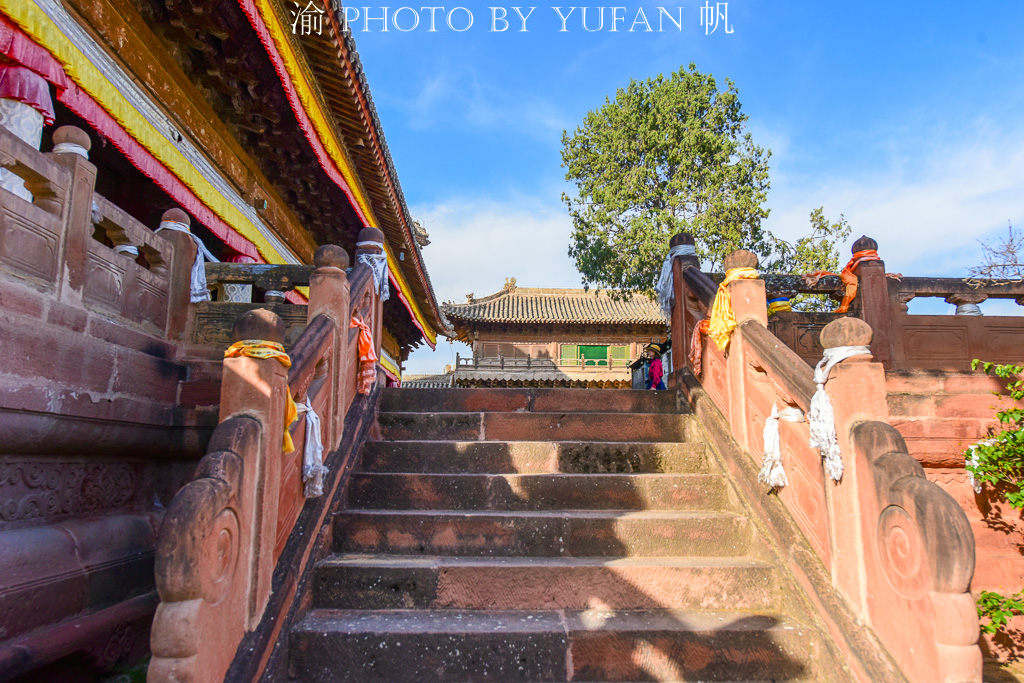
(723, 322)
(260, 348)
(776, 305)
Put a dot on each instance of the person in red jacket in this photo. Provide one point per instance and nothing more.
(655, 373)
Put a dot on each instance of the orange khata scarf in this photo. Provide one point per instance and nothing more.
(259, 348)
(695, 345)
(847, 276)
(367, 358)
(722, 321)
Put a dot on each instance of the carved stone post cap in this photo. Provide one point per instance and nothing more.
(72, 135)
(846, 332)
(371, 235)
(258, 324)
(177, 216)
(330, 256)
(741, 258)
(681, 238)
(966, 298)
(864, 242)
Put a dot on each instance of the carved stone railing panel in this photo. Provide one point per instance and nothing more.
(211, 321)
(32, 233)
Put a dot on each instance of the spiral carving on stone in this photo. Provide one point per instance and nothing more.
(221, 556)
(902, 553)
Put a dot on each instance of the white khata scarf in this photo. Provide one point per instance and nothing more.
(379, 266)
(772, 472)
(666, 292)
(313, 468)
(972, 460)
(821, 419)
(198, 287)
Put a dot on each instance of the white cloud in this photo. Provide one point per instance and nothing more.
(927, 202)
(457, 96)
(475, 244)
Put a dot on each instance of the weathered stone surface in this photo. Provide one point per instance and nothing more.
(330, 256)
(539, 492)
(395, 646)
(741, 258)
(450, 645)
(259, 324)
(540, 534)
(533, 457)
(392, 582)
(846, 332)
(521, 400)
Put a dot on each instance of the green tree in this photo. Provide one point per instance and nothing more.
(999, 463)
(667, 155)
(818, 250)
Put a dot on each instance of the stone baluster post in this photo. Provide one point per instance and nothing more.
(256, 388)
(680, 335)
(856, 388)
(873, 304)
(180, 287)
(749, 301)
(329, 296)
(71, 150)
(372, 240)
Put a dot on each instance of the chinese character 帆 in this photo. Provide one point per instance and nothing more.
(709, 17)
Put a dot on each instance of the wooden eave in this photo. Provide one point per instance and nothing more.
(334, 70)
(130, 41)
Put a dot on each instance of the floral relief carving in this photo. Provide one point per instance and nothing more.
(36, 490)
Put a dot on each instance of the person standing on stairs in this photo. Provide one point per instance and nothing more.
(655, 373)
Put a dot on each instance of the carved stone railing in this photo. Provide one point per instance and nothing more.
(902, 340)
(92, 440)
(886, 548)
(244, 524)
(211, 321)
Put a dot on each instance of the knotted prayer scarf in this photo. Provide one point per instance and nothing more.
(696, 352)
(820, 417)
(772, 472)
(313, 468)
(367, 357)
(722, 321)
(776, 305)
(260, 348)
(665, 288)
(850, 279)
(198, 288)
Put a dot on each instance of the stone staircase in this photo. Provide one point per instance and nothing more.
(548, 535)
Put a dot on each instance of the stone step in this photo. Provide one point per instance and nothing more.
(456, 646)
(533, 457)
(398, 581)
(529, 400)
(393, 491)
(618, 427)
(543, 534)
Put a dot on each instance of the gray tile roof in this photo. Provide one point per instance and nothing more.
(536, 305)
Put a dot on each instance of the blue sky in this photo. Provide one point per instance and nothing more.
(908, 118)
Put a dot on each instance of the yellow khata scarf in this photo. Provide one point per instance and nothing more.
(776, 305)
(723, 322)
(259, 348)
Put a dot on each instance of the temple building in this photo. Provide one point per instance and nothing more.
(134, 134)
(523, 336)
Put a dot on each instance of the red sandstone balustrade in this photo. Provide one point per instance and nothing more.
(891, 550)
(244, 523)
